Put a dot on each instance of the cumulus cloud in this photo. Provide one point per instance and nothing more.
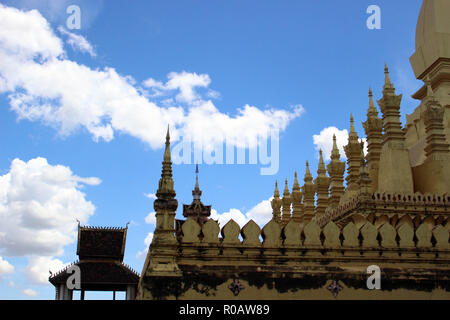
(143, 254)
(42, 84)
(151, 218)
(30, 293)
(151, 196)
(78, 42)
(37, 270)
(39, 205)
(261, 213)
(184, 82)
(5, 267)
(324, 141)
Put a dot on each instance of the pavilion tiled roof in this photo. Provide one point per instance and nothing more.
(96, 242)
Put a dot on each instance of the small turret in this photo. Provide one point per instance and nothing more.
(336, 169)
(373, 128)
(322, 183)
(286, 205)
(297, 205)
(308, 196)
(276, 204)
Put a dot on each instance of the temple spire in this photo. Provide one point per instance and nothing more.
(352, 151)
(197, 210)
(394, 164)
(165, 190)
(387, 80)
(286, 204)
(276, 194)
(335, 155)
(276, 204)
(322, 184)
(336, 169)
(372, 111)
(308, 196)
(296, 184)
(321, 170)
(297, 206)
(196, 192)
(352, 124)
(167, 150)
(373, 128)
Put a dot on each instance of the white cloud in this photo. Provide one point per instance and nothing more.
(30, 293)
(78, 42)
(148, 240)
(37, 270)
(184, 82)
(324, 141)
(39, 205)
(234, 214)
(5, 267)
(260, 213)
(151, 196)
(151, 218)
(44, 85)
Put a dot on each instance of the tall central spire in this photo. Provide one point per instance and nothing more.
(165, 189)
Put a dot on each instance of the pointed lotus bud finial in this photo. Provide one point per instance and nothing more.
(196, 176)
(387, 79)
(276, 193)
(286, 188)
(335, 155)
(372, 110)
(296, 184)
(197, 193)
(167, 150)
(308, 176)
(352, 124)
(321, 168)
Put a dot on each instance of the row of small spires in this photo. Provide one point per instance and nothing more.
(330, 188)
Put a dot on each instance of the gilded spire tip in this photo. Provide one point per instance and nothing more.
(335, 155)
(276, 193)
(387, 79)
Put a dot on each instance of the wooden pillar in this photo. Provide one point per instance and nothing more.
(131, 292)
(64, 293)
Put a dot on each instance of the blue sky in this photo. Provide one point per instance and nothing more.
(244, 66)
